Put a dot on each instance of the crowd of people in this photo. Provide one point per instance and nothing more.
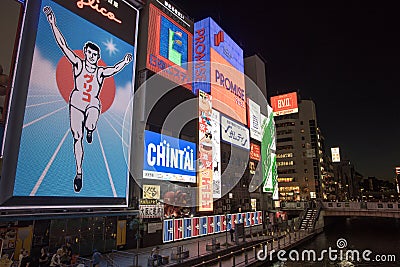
(63, 257)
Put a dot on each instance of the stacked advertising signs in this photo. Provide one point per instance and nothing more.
(268, 155)
(284, 104)
(216, 147)
(64, 136)
(169, 43)
(205, 168)
(169, 159)
(218, 69)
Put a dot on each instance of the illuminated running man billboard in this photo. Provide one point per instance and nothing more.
(75, 138)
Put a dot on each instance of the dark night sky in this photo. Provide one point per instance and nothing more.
(342, 55)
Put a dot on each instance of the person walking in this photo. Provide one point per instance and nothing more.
(96, 257)
(232, 231)
(155, 254)
(68, 249)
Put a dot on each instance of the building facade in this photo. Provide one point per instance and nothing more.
(299, 154)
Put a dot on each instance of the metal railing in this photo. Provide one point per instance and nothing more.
(248, 254)
(174, 253)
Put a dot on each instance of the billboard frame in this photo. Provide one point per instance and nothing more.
(16, 114)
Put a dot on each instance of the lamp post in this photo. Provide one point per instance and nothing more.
(139, 226)
(226, 229)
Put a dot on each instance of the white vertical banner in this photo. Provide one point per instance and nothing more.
(216, 149)
(254, 120)
(335, 154)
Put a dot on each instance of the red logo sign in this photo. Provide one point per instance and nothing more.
(284, 104)
(255, 152)
(218, 38)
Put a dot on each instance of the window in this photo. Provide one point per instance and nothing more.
(286, 171)
(284, 147)
(285, 179)
(305, 171)
(284, 124)
(303, 138)
(284, 155)
(285, 163)
(287, 139)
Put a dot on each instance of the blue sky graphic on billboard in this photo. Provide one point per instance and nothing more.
(48, 161)
(169, 159)
(173, 43)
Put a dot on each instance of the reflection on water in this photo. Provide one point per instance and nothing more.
(379, 235)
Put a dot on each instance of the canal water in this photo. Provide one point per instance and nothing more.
(378, 239)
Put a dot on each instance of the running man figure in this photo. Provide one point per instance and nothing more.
(84, 103)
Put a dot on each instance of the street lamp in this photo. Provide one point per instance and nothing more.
(139, 226)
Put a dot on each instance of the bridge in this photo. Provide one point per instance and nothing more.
(362, 209)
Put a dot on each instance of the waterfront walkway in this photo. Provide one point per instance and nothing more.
(200, 252)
